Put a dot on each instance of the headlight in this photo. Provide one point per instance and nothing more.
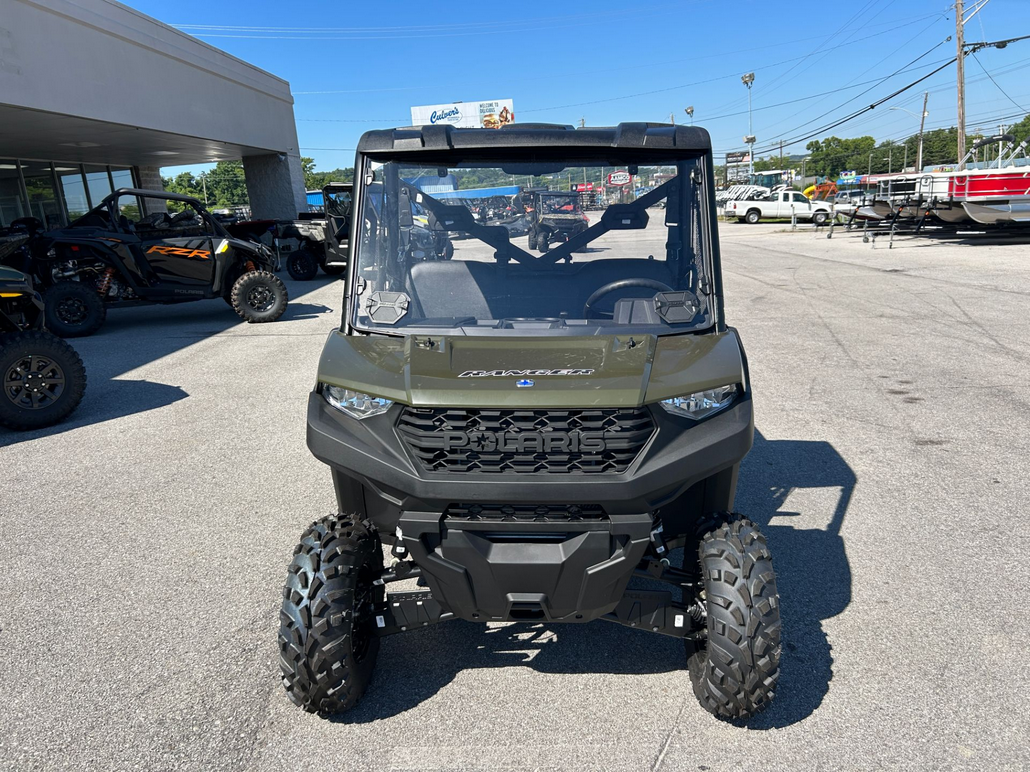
(353, 403)
(702, 404)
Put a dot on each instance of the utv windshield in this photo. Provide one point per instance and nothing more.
(483, 247)
(559, 204)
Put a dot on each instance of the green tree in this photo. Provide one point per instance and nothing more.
(227, 185)
(832, 155)
(315, 180)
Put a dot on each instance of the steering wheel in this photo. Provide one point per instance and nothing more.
(612, 286)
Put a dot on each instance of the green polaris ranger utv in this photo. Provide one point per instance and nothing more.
(43, 377)
(527, 435)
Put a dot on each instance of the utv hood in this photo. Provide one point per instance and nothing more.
(532, 372)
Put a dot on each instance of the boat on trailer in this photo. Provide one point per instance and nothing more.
(988, 196)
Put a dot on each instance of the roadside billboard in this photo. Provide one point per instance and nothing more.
(737, 166)
(489, 114)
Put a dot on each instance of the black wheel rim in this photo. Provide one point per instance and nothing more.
(261, 298)
(71, 311)
(34, 382)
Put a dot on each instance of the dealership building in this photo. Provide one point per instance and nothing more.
(95, 96)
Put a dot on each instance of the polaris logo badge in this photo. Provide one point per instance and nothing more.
(525, 442)
(520, 374)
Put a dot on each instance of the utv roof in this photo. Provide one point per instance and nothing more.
(637, 136)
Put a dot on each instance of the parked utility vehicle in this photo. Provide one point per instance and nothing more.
(780, 205)
(315, 240)
(43, 379)
(145, 246)
(528, 435)
(553, 217)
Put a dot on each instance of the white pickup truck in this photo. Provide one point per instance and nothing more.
(780, 205)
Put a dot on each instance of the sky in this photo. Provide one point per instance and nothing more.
(356, 66)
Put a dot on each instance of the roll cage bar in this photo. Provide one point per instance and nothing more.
(632, 216)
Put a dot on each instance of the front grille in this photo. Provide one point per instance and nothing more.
(524, 512)
(471, 440)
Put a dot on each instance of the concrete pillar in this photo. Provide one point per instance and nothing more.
(149, 178)
(275, 185)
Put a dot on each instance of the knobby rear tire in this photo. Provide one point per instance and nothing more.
(83, 301)
(269, 283)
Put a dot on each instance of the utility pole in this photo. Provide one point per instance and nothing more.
(922, 124)
(1001, 145)
(672, 119)
(960, 41)
(781, 153)
(582, 122)
(203, 179)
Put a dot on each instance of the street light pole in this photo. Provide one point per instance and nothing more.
(922, 125)
(690, 113)
(747, 80)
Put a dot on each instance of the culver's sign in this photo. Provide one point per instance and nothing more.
(487, 114)
(446, 115)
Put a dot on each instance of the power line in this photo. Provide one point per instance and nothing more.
(1003, 91)
(973, 48)
(734, 74)
(882, 80)
(408, 33)
(781, 78)
(902, 47)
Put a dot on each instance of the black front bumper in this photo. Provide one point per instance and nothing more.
(564, 547)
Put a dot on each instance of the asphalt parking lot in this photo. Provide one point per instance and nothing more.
(143, 546)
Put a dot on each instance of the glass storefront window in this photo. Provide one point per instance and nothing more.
(74, 189)
(98, 182)
(11, 205)
(122, 178)
(59, 192)
(43, 203)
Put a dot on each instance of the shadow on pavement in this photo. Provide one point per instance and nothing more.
(414, 666)
(133, 337)
(296, 311)
(812, 571)
(813, 577)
